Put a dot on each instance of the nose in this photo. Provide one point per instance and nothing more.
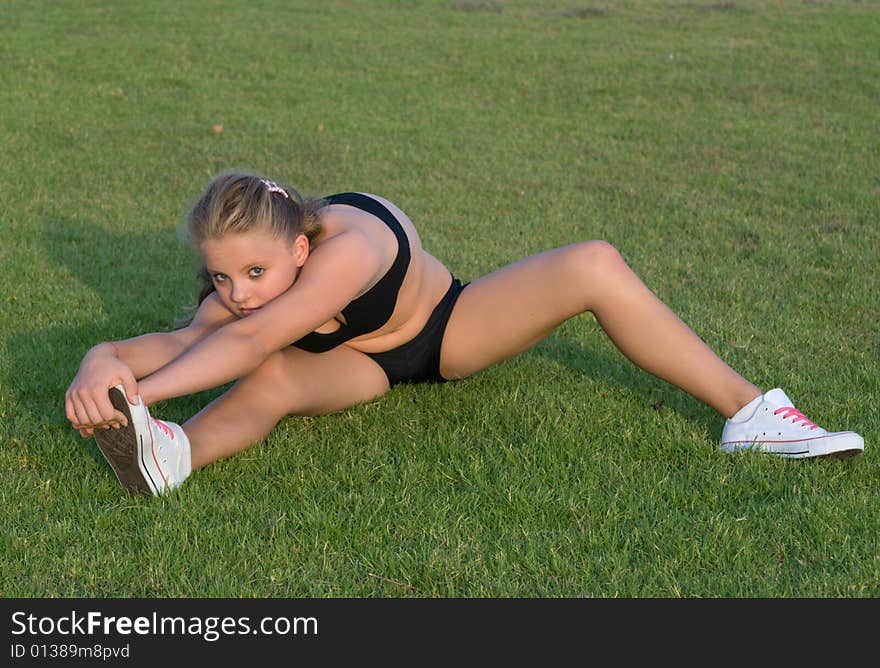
(239, 293)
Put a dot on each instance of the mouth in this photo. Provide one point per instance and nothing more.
(245, 312)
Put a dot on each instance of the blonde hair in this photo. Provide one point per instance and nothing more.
(239, 202)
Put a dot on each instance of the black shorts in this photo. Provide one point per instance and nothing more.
(418, 360)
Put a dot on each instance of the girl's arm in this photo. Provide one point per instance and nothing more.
(123, 362)
(336, 273)
(150, 352)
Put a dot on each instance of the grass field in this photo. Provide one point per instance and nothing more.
(729, 150)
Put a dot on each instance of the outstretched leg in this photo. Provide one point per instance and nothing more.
(291, 381)
(154, 456)
(512, 309)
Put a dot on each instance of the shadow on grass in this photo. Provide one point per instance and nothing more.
(112, 285)
(615, 368)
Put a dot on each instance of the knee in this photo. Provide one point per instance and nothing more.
(270, 382)
(272, 371)
(595, 260)
(592, 271)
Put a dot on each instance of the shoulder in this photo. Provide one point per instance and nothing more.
(212, 308)
(371, 213)
(357, 199)
(371, 220)
(344, 245)
(348, 222)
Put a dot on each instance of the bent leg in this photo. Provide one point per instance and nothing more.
(291, 381)
(512, 309)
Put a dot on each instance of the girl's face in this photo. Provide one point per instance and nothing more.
(250, 269)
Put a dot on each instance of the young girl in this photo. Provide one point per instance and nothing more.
(317, 305)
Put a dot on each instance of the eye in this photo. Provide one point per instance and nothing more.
(256, 271)
(218, 278)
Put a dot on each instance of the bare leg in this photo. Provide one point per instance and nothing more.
(510, 310)
(291, 381)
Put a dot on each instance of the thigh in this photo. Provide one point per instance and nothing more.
(320, 383)
(291, 381)
(510, 310)
(296, 382)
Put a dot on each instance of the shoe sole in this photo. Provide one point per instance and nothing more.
(843, 454)
(123, 449)
(813, 450)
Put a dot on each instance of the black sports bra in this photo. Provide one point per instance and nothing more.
(372, 309)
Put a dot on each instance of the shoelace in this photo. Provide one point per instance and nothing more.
(164, 427)
(792, 412)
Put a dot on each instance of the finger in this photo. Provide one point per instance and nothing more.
(80, 413)
(68, 407)
(129, 384)
(94, 413)
(119, 419)
(103, 404)
(117, 422)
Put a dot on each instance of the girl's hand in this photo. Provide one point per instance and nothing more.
(87, 403)
(118, 421)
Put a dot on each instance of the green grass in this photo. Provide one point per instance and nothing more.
(729, 150)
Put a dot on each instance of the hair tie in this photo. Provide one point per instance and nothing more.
(275, 188)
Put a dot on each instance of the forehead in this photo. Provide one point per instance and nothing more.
(242, 247)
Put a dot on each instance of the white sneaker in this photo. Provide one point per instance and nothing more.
(770, 423)
(147, 455)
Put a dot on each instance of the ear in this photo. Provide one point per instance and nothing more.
(300, 249)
